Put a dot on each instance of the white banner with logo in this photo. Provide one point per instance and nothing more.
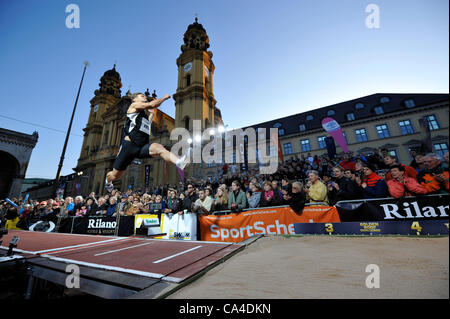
(181, 227)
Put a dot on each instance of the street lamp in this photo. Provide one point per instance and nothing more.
(61, 160)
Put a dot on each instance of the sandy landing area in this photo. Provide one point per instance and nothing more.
(328, 267)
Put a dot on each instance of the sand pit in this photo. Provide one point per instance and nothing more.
(277, 267)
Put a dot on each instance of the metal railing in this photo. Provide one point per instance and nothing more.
(388, 198)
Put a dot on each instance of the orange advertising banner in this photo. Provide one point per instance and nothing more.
(237, 227)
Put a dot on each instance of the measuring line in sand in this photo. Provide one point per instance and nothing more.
(173, 256)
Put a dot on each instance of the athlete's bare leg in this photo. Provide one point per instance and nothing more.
(159, 150)
(156, 149)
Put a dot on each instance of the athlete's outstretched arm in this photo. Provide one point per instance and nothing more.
(151, 105)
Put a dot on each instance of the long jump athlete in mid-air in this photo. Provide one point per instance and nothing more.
(136, 138)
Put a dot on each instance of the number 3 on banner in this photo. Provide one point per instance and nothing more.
(329, 228)
(417, 227)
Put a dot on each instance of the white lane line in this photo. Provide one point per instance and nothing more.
(120, 269)
(81, 245)
(113, 251)
(172, 256)
(94, 245)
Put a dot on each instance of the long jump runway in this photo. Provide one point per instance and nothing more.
(118, 267)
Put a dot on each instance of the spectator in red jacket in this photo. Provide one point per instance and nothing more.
(391, 161)
(401, 185)
(347, 163)
(373, 185)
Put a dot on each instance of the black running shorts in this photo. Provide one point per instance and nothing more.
(128, 152)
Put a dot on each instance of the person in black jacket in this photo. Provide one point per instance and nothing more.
(189, 199)
(343, 188)
(173, 204)
(294, 196)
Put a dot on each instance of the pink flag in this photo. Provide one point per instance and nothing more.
(334, 129)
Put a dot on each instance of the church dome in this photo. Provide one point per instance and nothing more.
(110, 83)
(196, 26)
(112, 73)
(195, 38)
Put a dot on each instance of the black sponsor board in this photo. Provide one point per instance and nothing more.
(103, 225)
(371, 228)
(432, 207)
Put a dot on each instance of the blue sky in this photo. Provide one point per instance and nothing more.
(272, 58)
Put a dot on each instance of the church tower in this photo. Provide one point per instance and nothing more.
(194, 98)
(102, 134)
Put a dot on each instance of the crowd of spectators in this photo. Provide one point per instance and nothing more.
(299, 180)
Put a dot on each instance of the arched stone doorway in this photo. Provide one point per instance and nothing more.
(9, 169)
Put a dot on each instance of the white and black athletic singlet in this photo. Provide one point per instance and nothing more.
(137, 127)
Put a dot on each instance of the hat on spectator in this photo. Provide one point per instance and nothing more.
(370, 166)
(124, 196)
(43, 203)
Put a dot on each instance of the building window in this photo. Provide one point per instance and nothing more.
(309, 117)
(105, 137)
(321, 142)
(361, 135)
(186, 123)
(384, 99)
(378, 110)
(383, 131)
(350, 116)
(281, 131)
(305, 146)
(432, 122)
(410, 103)
(441, 148)
(302, 127)
(331, 112)
(277, 125)
(359, 106)
(406, 127)
(287, 148)
(188, 80)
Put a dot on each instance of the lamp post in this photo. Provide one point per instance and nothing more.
(61, 160)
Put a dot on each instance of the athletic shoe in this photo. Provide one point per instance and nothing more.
(184, 160)
(109, 186)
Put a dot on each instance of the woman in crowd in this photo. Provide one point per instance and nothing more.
(221, 199)
(254, 195)
(268, 196)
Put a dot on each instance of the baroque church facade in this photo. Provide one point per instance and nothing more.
(194, 100)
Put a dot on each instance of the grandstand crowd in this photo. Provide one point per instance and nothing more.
(298, 180)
